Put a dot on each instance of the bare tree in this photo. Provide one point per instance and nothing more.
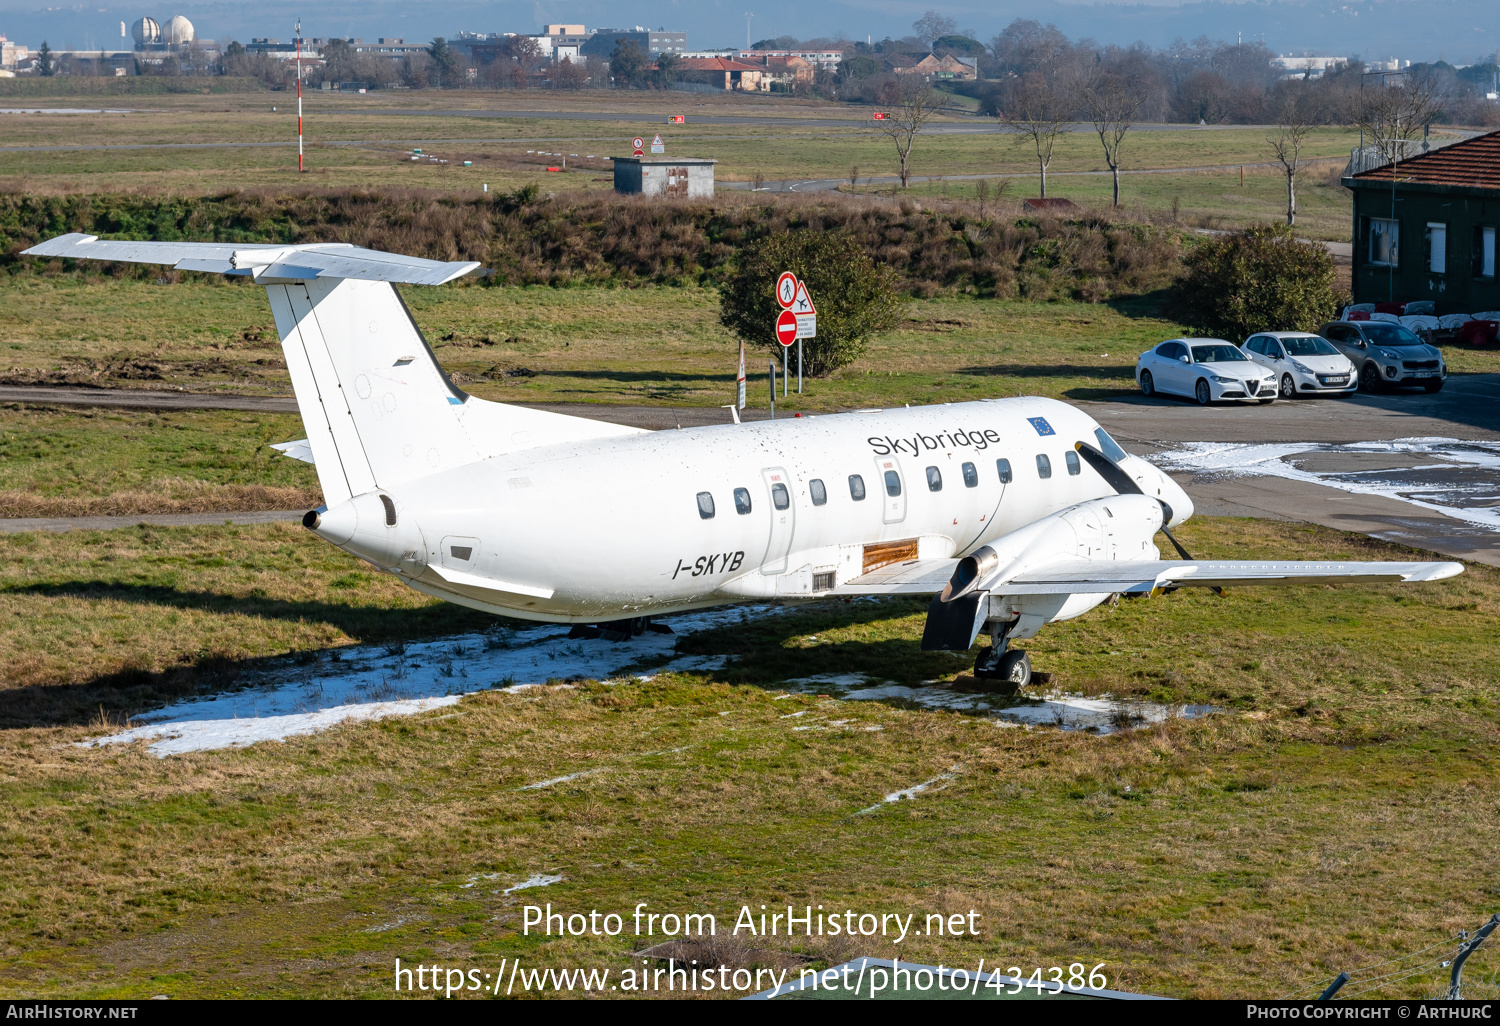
(933, 25)
(1293, 122)
(1392, 115)
(1110, 101)
(1040, 111)
(915, 105)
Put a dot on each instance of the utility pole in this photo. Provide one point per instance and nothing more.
(1455, 981)
(298, 30)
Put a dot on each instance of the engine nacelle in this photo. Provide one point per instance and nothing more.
(374, 527)
(1117, 528)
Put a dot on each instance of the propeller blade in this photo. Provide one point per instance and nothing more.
(1184, 554)
(1114, 475)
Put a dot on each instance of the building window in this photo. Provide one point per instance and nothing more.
(1437, 248)
(1484, 252)
(1385, 241)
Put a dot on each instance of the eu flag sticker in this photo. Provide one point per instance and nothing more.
(1041, 425)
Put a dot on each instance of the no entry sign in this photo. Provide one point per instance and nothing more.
(786, 328)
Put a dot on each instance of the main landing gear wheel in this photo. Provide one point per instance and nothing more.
(1148, 386)
(1011, 669)
(1369, 378)
(1288, 387)
(1201, 393)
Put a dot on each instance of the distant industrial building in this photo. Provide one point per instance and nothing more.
(826, 60)
(671, 177)
(1425, 228)
(1307, 67)
(603, 41)
(151, 35)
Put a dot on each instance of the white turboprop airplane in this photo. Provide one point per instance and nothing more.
(1012, 513)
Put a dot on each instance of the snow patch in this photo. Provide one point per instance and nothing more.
(539, 880)
(1463, 482)
(937, 783)
(560, 780)
(371, 682)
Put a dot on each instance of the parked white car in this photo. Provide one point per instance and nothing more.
(1205, 369)
(1304, 364)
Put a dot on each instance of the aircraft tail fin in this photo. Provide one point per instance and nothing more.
(378, 408)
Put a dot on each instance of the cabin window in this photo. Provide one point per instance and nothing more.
(971, 476)
(856, 487)
(1071, 458)
(1043, 466)
(892, 483)
(817, 491)
(742, 501)
(705, 505)
(1003, 468)
(934, 479)
(780, 497)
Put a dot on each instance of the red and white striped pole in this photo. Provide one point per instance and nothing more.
(300, 168)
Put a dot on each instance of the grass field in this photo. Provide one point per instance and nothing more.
(1336, 813)
(661, 346)
(363, 141)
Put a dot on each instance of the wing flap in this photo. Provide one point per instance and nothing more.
(1084, 577)
(913, 577)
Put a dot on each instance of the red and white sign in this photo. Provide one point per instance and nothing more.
(640, 147)
(786, 328)
(786, 289)
(802, 302)
(806, 314)
(677, 119)
(880, 115)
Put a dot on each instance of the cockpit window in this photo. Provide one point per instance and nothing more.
(705, 505)
(1109, 446)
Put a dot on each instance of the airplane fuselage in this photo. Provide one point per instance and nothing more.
(789, 509)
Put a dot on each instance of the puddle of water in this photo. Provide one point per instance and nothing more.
(1464, 484)
(1102, 715)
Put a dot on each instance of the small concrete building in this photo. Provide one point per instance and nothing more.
(678, 177)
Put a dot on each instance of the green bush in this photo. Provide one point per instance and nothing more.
(854, 298)
(1261, 279)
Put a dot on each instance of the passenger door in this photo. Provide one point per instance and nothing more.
(1174, 373)
(892, 486)
(783, 520)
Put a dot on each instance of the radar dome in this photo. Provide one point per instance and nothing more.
(146, 30)
(177, 31)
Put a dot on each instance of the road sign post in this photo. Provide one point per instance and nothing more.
(740, 381)
(773, 389)
(799, 364)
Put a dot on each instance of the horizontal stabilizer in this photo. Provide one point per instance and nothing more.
(262, 260)
(301, 449)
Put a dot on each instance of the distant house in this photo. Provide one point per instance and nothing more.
(1425, 227)
(736, 76)
(932, 66)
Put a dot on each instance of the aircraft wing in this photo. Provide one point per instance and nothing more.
(1102, 577)
(260, 260)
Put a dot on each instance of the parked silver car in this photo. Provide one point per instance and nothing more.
(1386, 354)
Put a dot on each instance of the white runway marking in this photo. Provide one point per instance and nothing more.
(370, 682)
(1462, 480)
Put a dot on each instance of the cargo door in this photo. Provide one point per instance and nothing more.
(779, 498)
